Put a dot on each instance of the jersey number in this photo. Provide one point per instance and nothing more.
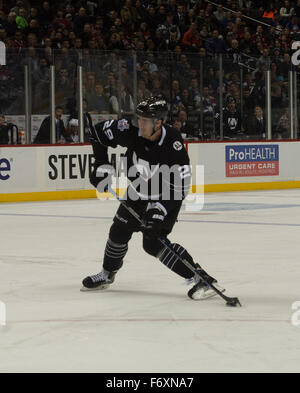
(184, 171)
(107, 131)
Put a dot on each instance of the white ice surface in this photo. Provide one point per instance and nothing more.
(145, 322)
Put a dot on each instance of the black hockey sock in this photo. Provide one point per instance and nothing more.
(171, 260)
(114, 254)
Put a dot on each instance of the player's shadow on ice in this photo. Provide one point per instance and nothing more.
(136, 292)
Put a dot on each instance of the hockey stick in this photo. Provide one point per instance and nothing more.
(230, 301)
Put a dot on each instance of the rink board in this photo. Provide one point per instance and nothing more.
(35, 173)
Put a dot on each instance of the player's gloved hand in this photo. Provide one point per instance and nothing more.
(104, 174)
(154, 219)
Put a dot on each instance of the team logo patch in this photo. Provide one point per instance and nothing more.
(123, 125)
(177, 145)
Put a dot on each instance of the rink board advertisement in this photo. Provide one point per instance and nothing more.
(62, 171)
(252, 160)
(50, 169)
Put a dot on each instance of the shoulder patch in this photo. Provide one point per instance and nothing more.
(177, 145)
(123, 125)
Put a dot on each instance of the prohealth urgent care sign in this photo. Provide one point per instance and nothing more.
(252, 160)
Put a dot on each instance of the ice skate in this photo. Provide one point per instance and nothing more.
(202, 291)
(98, 281)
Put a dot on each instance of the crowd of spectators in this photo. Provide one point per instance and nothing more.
(176, 43)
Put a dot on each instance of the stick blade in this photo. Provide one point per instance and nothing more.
(233, 302)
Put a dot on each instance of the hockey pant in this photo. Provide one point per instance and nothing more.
(124, 225)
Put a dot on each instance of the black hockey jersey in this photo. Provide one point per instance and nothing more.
(158, 171)
(232, 123)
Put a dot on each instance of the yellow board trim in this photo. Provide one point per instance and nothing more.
(47, 196)
(278, 185)
(86, 194)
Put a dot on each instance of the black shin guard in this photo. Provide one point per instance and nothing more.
(114, 254)
(172, 261)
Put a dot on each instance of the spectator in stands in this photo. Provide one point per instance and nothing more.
(115, 42)
(277, 58)
(285, 66)
(297, 9)
(126, 101)
(232, 122)
(78, 28)
(208, 102)
(282, 129)
(43, 136)
(275, 76)
(18, 42)
(4, 130)
(111, 88)
(42, 74)
(87, 119)
(287, 11)
(204, 34)
(34, 28)
(276, 95)
(156, 87)
(215, 44)
(114, 106)
(191, 39)
(234, 50)
(72, 131)
(186, 127)
(176, 92)
(293, 25)
(145, 30)
(269, 12)
(33, 14)
(98, 101)
(11, 25)
(195, 91)
(186, 100)
(111, 64)
(143, 88)
(246, 42)
(46, 15)
(171, 26)
(180, 15)
(140, 11)
(177, 125)
(17, 7)
(64, 86)
(255, 124)
(79, 21)
(128, 7)
(265, 58)
(21, 19)
(259, 91)
(219, 14)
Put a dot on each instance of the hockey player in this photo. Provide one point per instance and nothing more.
(153, 144)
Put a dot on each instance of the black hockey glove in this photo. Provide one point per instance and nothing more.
(154, 219)
(101, 177)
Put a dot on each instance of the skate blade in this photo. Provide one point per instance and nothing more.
(100, 288)
(204, 293)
